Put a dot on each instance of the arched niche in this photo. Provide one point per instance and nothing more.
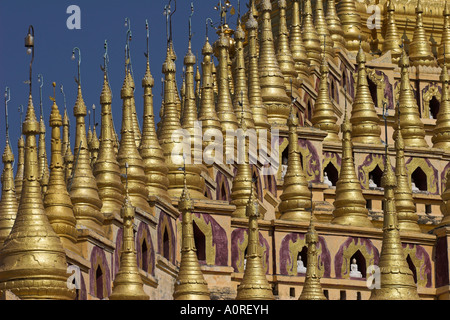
(239, 243)
(166, 237)
(428, 169)
(99, 274)
(431, 97)
(420, 260)
(145, 249)
(369, 165)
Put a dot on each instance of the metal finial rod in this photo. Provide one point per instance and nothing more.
(162, 88)
(211, 23)
(167, 14)
(170, 18)
(78, 81)
(190, 22)
(239, 12)
(148, 36)
(93, 115)
(21, 116)
(41, 81)
(29, 44)
(7, 99)
(128, 48)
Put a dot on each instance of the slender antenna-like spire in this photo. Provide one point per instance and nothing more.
(94, 143)
(150, 150)
(273, 89)
(392, 40)
(445, 37)
(324, 117)
(396, 278)
(420, 50)
(42, 150)
(310, 36)
(106, 168)
(190, 283)
(413, 131)
(254, 284)
(82, 186)
(128, 284)
(18, 179)
(295, 199)
(8, 202)
(57, 203)
(312, 290)
(441, 131)
(350, 205)
(364, 117)
(33, 250)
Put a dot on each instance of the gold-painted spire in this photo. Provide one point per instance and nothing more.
(207, 113)
(32, 260)
(106, 169)
(364, 118)
(441, 131)
(190, 283)
(259, 109)
(310, 36)
(312, 290)
(173, 57)
(215, 75)
(95, 146)
(392, 39)
(183, 91)
(18, 179)
(128, 152)
(134, 118)
(350, 205)
(322, 30)
(334, 25)
(284, 54)
(170, 124)
(43, 161)
(254, 284)
(128, 284)
(298, 50)
(151, 152)
(89, 132)
(57, 203)
(198, 79)
(8, 202)
(66, 134)
(296, 197)
(273, 90)
(243, 180)
(413, 131)
(444, 47)
(351, 24)
(404, 202)
(68, 163)
(420, 49)
(240, 101)
(396, 279)
(82, 186)
(324, 116)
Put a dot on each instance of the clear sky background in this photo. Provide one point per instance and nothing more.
(100, 20)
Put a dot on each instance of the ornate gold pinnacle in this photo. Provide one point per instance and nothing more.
(392, 39)
(441, 132)
(420, 49)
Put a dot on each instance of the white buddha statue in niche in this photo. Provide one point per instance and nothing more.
(326, 180)
(300, 266)
(413, 186)
(354, 273)
(372, 184)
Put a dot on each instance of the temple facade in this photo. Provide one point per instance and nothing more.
(350, 201)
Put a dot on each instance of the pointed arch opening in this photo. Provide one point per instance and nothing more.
(375, 177)
(419, 180)
(358, 259)
(166, 244)
(433, 106)
(310, 110)
(412, 267)
(200, 244)
(303, 257)
(331, 173)
(99, 283)
(145, 255)
(373, 90)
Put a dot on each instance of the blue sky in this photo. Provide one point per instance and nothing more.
(100, 20)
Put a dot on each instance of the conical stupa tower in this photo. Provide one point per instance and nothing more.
(392, 39)
(351, 24)
(18, 179)
(441, 131)
(420, 50)
(334, 25)
(310, 36)
(444, 47)
(322, 30)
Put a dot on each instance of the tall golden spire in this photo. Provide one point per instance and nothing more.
(190, 283)
(207, 113)
(334, 25)
(151, 152)
(128, 284)
(310, 36)
(350, 205)
(273, 89)
(441, 131)
(404, 202)
(128, 152)
(284, 54)
(312, 290)
(364, 117)
(296, 197)
(411, 125)
(298, 50)
(420, 49)
(324, 117)
(107, 169)
(198, 79)
(189, 121)
(259, 109)
(392, 39)
(32, 260)
(68, 164)
(57, 203)
(89, 133)
(445, 38)
(18, 179)
(66, 128)
(134, 118)
(351, 24)
(241, 102)
(322, 29)
(8, 202)
(396, 280)
(94, 144)
(42, 151)
(254, 284)
(82, 186)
